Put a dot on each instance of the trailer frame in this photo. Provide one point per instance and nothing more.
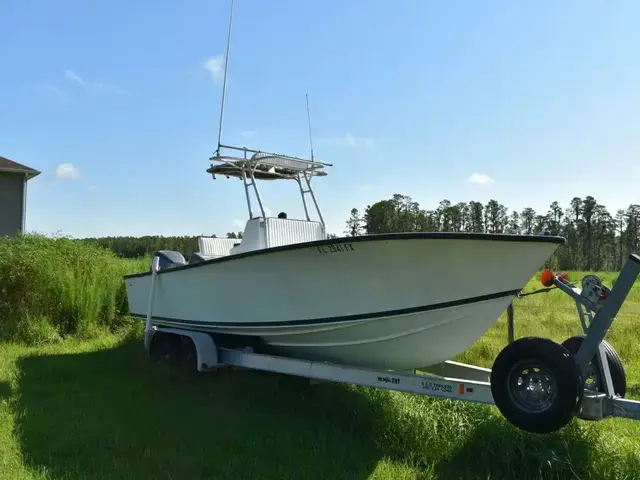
(597, 307)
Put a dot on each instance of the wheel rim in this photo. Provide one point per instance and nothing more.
(592, 378)
(531, 386)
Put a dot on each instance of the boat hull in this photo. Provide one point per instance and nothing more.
(395, 302)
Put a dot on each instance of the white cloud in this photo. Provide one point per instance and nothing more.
(238, 224)
(95, 87)
(215, 66)
(480, 179)
(93, 188)
(248, 133)
(67, 171)
(256, 211)
(101, 87)
(348, 141)
(73, 77)
(53, 92)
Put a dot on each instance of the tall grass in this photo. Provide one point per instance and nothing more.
(55, 287)
(92, 410)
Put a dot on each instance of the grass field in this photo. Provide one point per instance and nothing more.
(93, 407)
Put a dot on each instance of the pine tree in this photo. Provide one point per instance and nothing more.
(354, 224)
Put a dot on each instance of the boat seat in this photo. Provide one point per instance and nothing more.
(284, 231)
(213, 246)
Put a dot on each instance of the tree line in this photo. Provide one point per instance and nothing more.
(135, 247)
(596, 238)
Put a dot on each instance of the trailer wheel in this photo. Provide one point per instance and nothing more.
(536, 384)
(174, 350)
(189, 355)
(594, 379)
(164, 348)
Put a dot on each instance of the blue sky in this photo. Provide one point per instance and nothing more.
(117, 104)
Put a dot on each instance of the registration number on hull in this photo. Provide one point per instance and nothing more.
(336, 248)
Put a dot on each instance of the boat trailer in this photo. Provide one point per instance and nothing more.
(538, 385)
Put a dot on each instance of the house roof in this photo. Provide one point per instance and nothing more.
(7, 165)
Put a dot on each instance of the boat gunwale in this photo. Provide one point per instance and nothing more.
(491, 237)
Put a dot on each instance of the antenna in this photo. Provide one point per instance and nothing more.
(224, 82)
(309, 121)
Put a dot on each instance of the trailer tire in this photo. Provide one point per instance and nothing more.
(163, 348)
(555, 376)
(174, 350)
(618, 375)
(189, 357)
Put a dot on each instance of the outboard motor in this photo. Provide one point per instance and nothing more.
(197, 257)
(169, 259)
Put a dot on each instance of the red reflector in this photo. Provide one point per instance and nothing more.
(547, 278)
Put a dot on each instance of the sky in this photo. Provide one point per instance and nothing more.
(117, 104)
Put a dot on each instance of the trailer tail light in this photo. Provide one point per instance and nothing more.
(547, 278)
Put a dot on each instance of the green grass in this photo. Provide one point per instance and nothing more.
(84, 403)
(52, 288)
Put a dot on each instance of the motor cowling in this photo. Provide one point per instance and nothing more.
(169, 259)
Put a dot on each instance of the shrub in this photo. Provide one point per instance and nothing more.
(53, 287)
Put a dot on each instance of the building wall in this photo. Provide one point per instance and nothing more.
(11, 206)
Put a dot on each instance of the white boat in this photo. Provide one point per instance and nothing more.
(396, 301)
(399, 301)
(286, 295)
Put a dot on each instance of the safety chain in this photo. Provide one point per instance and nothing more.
(542, 290)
